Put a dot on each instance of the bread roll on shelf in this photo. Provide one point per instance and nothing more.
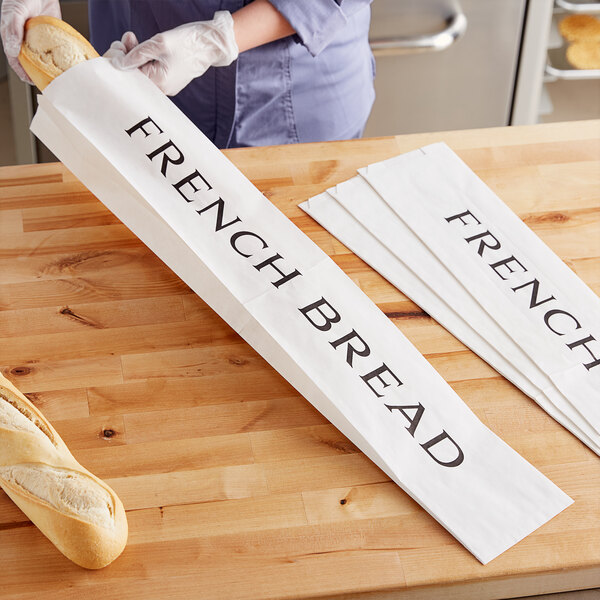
(584, 54)
(76, 511)
(576, 28)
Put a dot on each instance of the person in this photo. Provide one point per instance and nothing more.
(247, 73)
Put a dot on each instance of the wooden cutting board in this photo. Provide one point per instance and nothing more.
(235, 487)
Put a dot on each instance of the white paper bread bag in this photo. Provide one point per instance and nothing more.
(426, 280)
(528, 290)
(412, 269)
(166, 181)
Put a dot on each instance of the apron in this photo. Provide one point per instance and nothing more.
(277, 93)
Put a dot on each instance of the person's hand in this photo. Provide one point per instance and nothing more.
(12, 26)
(118, 49)
(173, 58)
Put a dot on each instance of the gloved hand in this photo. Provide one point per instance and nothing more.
(173, 58)
(118, 49)
(12, 26)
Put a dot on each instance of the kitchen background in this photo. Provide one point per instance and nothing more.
(441, 65)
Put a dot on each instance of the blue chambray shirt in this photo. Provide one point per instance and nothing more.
(316, 85)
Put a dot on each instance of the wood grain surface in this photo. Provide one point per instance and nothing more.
(235, 487)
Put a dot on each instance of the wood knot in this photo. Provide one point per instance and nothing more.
(89, 260)
(343, 446)
(413, 314)
(550, 217)
(78, 318)
(343, 501)
(238, 362)
(108, 433)
(21, 371)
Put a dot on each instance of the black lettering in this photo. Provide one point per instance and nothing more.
(351, 351)
(188, 180)
(140, 125)
(220, 210)
(438, 439)
(270, 262)
(558, 311)
(506, 263)
(460, 216)
(327, 320)
(166, 158)
(533, 301)
(377, 374)
(583, 342)
(482, 243)
(414, 422)
(236, 236)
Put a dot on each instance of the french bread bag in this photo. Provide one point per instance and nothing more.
(50, 47)
(76, 511)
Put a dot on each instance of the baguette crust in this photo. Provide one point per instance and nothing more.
(68, 517)
(66, 48)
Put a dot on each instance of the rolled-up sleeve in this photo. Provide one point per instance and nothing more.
(317, 21)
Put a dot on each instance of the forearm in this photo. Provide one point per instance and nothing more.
(259, 23)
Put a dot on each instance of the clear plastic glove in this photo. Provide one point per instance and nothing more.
(12, 26)
(118, 49)
(173, 58)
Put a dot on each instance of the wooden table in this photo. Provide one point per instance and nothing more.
(235, 487)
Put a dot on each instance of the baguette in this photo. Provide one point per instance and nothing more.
(50, 47)
(76, 511)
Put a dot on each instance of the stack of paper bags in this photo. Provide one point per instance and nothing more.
(431, 227)
(189, 204)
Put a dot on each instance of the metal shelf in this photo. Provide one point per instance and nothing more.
(558, 67)
(573, 6)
